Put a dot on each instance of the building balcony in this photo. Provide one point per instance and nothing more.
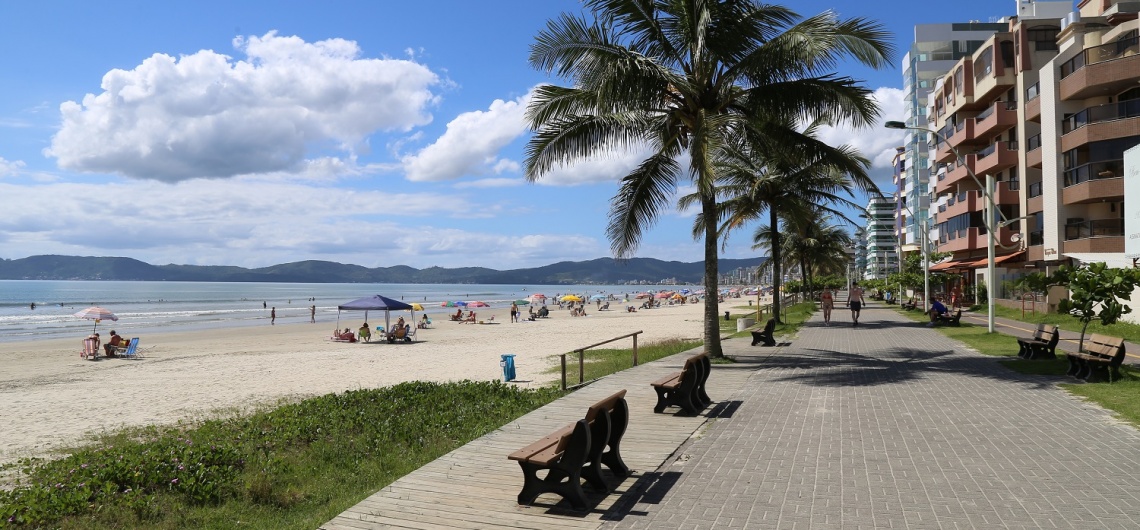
(1116, 120)
(1033, 103)
(998, 118)
(1035, 253)
(997, 157)
(1103, 70)
(992, 81)
(1097, 182)
(960, 136)
(961, 203)
(1033, 151)
(1007, 193)
(955, 174)
(973, 238)
(1097, 235)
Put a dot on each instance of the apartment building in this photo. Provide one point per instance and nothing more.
(1046, 107)
(881, 240)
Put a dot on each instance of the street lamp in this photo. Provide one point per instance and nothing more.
(991, 225)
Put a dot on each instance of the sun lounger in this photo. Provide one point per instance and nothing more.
(90, 350)
(132, 351)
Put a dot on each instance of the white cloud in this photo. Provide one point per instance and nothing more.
(207, 115)
(10, 168)
(491, 183)
(877, 143)
(471, 144)
(608, 166)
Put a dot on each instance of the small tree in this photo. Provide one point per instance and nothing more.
(1095, 291)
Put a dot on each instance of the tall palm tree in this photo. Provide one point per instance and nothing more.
(788, 185)
(683, 78)
(815, 245)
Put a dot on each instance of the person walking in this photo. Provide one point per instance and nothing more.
(855, 300)
(273, 316)
(827, 301)
(313, 314)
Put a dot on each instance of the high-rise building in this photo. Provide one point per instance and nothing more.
(881, 257)
(1047, 107)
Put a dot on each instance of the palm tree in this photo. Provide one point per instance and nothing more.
(683, 78)
(816, 246)
(788, 185)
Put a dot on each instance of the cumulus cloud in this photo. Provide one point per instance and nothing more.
(608, 166)
(491, 183)
(471, 144)
(876, 143)
(10, 168)
(208, 115)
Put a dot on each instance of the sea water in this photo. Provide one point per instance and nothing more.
(171, 306)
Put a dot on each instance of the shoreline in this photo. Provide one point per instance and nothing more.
(56, 400)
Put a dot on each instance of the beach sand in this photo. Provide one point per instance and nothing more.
(54, 400)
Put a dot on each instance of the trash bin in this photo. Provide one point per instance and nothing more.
(508, 364)
(744, 323)
(726, 317)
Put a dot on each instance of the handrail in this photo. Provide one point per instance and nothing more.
(582, 357)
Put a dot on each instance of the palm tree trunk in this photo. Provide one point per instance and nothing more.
(712, 308)
(774, 227)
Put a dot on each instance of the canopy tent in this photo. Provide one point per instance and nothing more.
(376, 303)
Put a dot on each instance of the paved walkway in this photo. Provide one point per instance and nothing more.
(885, 425)
(892, 425)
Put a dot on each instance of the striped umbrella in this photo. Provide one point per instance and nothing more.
(96, 313)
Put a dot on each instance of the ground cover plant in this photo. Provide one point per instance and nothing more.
(1121, 396)
(296, 466)
(793, 318)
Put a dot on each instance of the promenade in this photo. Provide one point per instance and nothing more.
(885, 425)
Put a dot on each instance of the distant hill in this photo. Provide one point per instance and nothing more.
(598, 271)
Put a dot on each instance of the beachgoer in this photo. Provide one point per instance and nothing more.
(937, 311)
(424, 322)
(313, 314)
(264, 305)
(827, 302)
(514, 312)
(95, 337)
(458, 314)
(273, 316)
(365, 333)
(34, 306)
(112, 343)
(855, 300)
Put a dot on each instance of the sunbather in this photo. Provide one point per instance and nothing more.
(470, 317)
(113, 344)
(458, 316)
(365, 333)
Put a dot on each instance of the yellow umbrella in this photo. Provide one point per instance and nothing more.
(571, 298)
(417, 307)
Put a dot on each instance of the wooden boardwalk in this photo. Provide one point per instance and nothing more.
(475, 486)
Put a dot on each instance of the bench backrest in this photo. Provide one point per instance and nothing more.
(1047, 333)
(770, 326)
(1111, 348)
(607, 404)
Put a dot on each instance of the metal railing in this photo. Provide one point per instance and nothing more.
(582, 357)
(1099, 113)
(1094, 228)
(1105, 169)
(1100, 54)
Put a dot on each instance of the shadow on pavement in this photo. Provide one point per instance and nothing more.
(650, 488)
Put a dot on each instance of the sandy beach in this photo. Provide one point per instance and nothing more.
(54, 399)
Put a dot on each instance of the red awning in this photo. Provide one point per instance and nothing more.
(949, 265)
(984, 262)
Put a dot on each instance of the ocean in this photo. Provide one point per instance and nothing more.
(170, 306)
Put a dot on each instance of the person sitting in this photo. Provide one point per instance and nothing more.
(94, 337)
(630, 309)
(937, 312)
(424, 322)
(114, 344)
(458, 316)
(347, 335)
(365, 333)
(470, 317)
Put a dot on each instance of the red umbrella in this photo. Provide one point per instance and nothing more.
(478, 304)
(96, 313)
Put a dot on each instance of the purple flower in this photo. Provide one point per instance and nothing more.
(174, 481)
(180, 468)
(84, 466)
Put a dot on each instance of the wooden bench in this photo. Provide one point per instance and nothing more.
(1100, 360)
(950, 320)
(911, 305)
(765, 336)
(1042, 345)
(683, 389)
(574, 452)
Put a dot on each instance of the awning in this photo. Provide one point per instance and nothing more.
(997, 260)
(948, 265)
(1115, 260)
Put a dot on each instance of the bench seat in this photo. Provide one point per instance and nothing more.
(1100, 360)
(1042, 345)
(765, 337)
(682, 389)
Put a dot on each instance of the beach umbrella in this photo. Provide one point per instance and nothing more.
(571, 298)
(643, 295)
(677, 297)
(522, 302)
(96, 313)
(598, 297)
(417, 306)
(685, 291)
(477, 303)
(461, 303)
(663, 294)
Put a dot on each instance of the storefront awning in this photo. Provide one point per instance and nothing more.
(949, 265)
(997, 260)
(1112, 259)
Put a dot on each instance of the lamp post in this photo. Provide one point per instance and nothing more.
(990, 221)
(924, 239)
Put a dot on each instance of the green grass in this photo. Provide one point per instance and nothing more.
(296, 466)
(1121, 396)
(795, 317)
(603, 362)
(1126, 330)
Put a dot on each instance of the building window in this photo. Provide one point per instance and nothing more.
(1044, 38)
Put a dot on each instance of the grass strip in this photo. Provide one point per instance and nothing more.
(296, 466)
(1121, 396)
(605, 361)
(793, 319)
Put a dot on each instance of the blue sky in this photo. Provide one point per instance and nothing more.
(366, 132)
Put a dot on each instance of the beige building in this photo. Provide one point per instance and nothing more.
(1047, 107)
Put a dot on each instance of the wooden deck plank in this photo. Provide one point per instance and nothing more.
(476, 486)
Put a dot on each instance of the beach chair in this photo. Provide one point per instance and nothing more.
(132, 351)
(90, 350)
